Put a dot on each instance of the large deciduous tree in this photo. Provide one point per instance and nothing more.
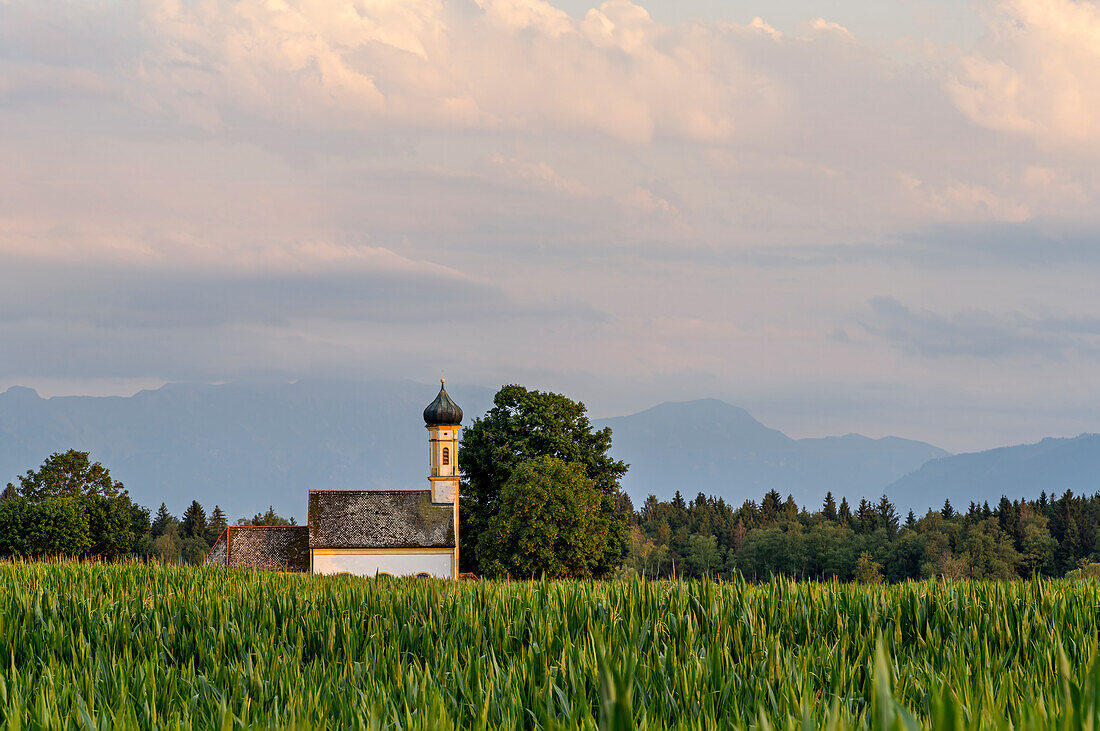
(71, 506)
(68, 474)
(524, 425)
(548, 522)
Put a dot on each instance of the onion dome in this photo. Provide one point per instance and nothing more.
(443, 411)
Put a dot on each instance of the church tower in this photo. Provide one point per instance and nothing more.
(443, 419)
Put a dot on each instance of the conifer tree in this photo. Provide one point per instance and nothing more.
(216, 524)
(770, 507)
(193, 524)
(828, 509)
(887, 515)
(844, 513)
(947, 512)
(162, 522)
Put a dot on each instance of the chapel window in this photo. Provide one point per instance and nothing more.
(446, 456)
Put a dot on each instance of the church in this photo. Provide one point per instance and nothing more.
(367, 532)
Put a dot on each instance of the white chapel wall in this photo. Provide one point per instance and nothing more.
(395, 564)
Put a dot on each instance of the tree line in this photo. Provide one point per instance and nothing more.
(70, 506)
(870, 542)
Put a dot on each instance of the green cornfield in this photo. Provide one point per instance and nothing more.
(136, 646)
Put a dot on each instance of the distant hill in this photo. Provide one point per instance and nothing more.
(248, 445)
(1023, 471)
(712, 447)
(241, 445)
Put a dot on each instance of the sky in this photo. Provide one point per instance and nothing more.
(862, 216)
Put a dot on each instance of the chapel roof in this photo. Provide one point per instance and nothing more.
(379, 519)
(443, 411)
(277, 547)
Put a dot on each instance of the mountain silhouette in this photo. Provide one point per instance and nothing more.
(1022, 471)
(712, 447)
(245, 446)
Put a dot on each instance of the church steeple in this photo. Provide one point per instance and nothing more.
(443, 419)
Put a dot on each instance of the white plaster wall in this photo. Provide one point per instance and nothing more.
(396, 564)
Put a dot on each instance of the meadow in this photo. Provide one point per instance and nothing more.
(145, 646)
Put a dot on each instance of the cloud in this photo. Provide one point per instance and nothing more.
(980, 334)
(491, 64)
(1038, 75)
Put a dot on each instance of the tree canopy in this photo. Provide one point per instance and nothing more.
(548, 522)
(524, 425)
(68, 474)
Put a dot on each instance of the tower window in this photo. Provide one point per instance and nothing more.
(446, 455)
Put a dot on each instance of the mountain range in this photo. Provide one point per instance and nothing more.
(245, 446)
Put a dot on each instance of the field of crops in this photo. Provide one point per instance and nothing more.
(87, 646)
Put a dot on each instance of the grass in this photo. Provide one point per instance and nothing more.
(132, 646)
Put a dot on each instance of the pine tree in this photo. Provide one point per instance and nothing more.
(948, 512)
(790, 509)
(887, 516)
(866, 518)
(844, 513)
(194, 521)
(910, 520)
(215, 525)
(770, 507)
(162, 522)
(828, 509)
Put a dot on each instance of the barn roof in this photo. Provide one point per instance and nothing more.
(379, 519)
(278, 547)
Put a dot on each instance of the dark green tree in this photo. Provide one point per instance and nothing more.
(887, 516)
(162, 522)
(866, 519)
(828, 509)
(268, 518)
(549, 522)
(522, 425)
(116, 526)
(844, 513)
(215, 525)
(770, 508)
(68, 474)
(947, 512)
(47, 527)
(193, 524)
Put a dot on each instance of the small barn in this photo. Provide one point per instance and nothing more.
(367, 532)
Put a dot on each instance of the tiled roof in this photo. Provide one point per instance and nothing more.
(379, 519)
(278, 547)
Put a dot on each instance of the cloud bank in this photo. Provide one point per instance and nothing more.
(598, 201)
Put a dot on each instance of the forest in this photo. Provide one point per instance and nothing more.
(868, 543)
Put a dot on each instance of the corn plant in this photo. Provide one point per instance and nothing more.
(146, 646)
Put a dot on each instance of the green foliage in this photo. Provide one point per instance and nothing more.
(163, 522)
(156, 647)
(68, 474)
(70, 506)
(117, 527)
(193, 524)
(48, 527)
(548, 523)
(867, 570)
(268, 518)
(1016, 539)
(524, 425)
(215, 525)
